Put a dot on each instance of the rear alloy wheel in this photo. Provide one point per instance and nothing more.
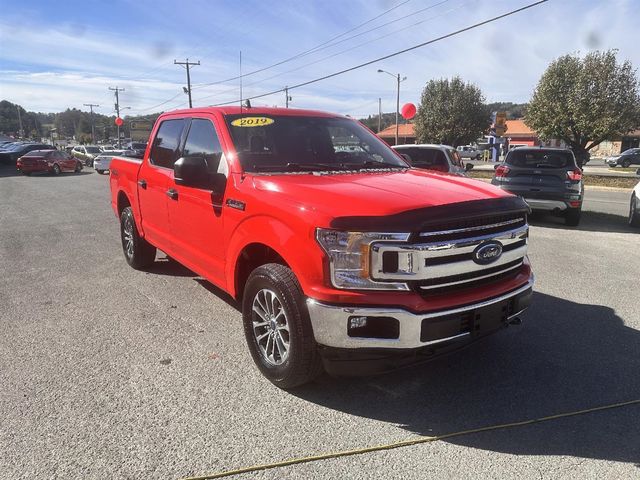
(634, 213)
(56, 169)
(572, 217)
(137, 251)
(277, 327)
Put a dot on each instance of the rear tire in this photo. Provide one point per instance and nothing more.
(138, 253)
(101, 172)
(634, 213)
(626, 163)
(277, 327)
(78, 167)
(572, 217)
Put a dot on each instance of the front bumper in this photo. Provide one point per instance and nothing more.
(415, 330)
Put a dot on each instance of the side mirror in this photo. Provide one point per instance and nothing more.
(468, 166)
(194, 172)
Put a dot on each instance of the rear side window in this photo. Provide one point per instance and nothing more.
(540, 159)
(202, 141)
(166, 143)
(429, 158)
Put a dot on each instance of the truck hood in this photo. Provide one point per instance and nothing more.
(373, 193)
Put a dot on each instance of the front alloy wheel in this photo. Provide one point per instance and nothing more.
(277, 327)
(270, 327)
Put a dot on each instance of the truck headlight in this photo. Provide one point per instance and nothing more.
(350, 255)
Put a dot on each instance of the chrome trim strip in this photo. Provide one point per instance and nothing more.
(330, 322)
(472, 229)
(448, 284)
(539, 204)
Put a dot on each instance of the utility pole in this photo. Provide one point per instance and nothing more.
(117, 90)
(398, 79)
(21, 131)
(287, 97)
(93, 131)
(379, 114)
(187, 64)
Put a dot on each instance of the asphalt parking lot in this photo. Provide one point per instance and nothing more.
(107, 372)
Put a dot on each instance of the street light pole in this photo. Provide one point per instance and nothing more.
(398, 79)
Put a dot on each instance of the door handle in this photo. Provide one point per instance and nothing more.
(172, 194)
(143, 184)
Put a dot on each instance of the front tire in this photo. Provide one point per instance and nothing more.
(572, 217)
(137, 251)
(277, 327)
(634, 213)
(56, 169)
(78, 167)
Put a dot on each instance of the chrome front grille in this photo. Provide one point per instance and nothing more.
(448, 257)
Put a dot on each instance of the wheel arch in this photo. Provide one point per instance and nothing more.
(252, 256)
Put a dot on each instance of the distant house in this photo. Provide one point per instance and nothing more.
(406, 134)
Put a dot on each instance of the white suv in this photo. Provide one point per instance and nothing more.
(634, 207)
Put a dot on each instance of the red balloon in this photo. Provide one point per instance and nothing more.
(119, 121)
(408, 111)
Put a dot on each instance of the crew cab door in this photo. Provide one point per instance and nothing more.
(195, 215)
(155, 183)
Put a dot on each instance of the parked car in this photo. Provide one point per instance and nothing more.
(52, 161)
(634, 207)
(137, 149)
(102, 162)
(15, 151)
(86, 153)
(625, 159)
(547, 178)
(468, 151)
(441, 158)
(345, 260)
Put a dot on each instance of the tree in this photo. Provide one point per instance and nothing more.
(585, 101)
(451, 112)
(513, 110)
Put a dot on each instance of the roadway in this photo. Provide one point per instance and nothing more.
(107, 372)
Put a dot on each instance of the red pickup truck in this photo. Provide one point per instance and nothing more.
(341, 255)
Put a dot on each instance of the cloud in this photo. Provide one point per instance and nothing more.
(50, 64)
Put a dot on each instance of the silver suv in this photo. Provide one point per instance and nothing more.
(441, 158)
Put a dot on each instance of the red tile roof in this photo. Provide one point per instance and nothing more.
(406, 130)
(518, 127)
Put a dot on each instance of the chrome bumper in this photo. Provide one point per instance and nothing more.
(330, 323)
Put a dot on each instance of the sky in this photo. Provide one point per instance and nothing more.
(58, 55)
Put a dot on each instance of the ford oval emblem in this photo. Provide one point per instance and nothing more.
(487, 252)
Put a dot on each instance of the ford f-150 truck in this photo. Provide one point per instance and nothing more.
(341, 258)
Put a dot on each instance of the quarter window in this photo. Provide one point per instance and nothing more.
(166, 144)
(203, 141)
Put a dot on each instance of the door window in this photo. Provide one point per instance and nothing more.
(203, 141)
(164, 151)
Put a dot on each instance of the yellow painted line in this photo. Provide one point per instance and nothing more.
(405, 443)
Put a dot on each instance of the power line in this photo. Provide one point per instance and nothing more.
(321, 46)
(399, 52)
(343, 51)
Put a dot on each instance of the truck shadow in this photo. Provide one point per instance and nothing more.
(590, 222)
(566, 357)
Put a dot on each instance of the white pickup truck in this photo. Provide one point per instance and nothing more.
(467, 151)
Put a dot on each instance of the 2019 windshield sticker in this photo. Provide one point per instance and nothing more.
(252, 122)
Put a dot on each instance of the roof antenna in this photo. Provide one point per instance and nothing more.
(240, 82)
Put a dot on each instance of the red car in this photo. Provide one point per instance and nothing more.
(52, 161)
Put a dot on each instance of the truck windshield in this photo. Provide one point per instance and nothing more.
(294, 143)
